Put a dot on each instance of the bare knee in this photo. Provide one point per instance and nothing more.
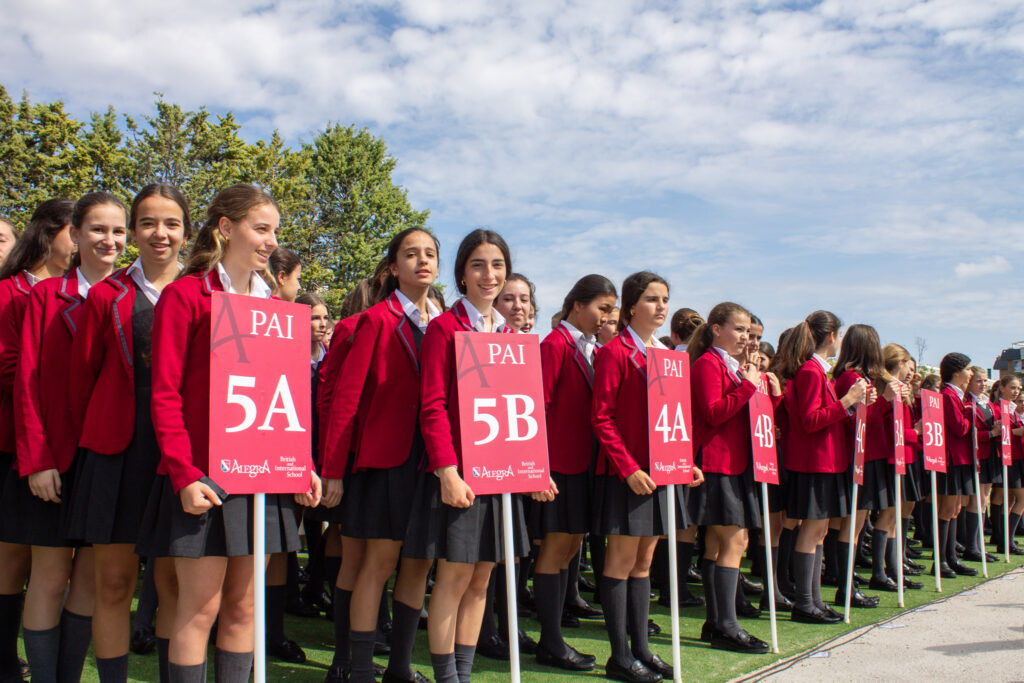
(114, 587)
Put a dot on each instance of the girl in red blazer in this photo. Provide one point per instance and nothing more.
(727, 503)
(514, 302)
(990, 469)
(816, 453)
(46, 442)
(43, 251)
(956, 484)
(567, 357)
(625, 509)
(192, 520)
(109, 385)
(1008, 389)
(449, 522)
(375, 408)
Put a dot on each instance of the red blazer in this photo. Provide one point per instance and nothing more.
(329, 372)
(379, 391)
(958, 427)
(721, 415)
(619, 412)
(44, 428)
(876, 445)
(101, 383)
(984, 431)
(816, 441)
(439, 388)
(13, 302)
(180, 403)
(568, 394)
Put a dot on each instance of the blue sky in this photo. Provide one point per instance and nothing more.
(866, 157)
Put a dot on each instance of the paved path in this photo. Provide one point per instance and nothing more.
(977, 635)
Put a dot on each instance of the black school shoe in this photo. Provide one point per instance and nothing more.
(527, 645)
(972, 556)
(880, 584)
(652, 628)
(584, 610)
(686, 600)
(634, 673)
(337, 674)
(815, 616)
(143, 641)
(708, 632)
(417, 677)
(750, 587)
(493, 647)
(287, 651)
(963, 570)
(658, 666)
(944, 571)
(782, 603)
(858, 600)
(570, 660)
(570, 620)
(740, 642)
(745, 610)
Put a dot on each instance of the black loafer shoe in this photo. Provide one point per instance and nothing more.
(570, 660)
(693, 575)
(944, 571)
(584, 584)
(912, 585)
(299, 608)
(527, 645)
(913, 565)
(378, 670)
(745, 610)
(581, 655)
(750, 587)
(740, 642)
(381, 648)
(494, 647)
(829, 611)
(782, 603)
(858, 600)
(859, 580)
(816, 616)
(886, 584)
(913, 553)
(417, 677)
(143, 641)
(337, 674)
(570, 620)
(658, 666)
(634, 673)
(972, 556)
(686, 600)
(286, 651)
(963, 570)
(1016, 549)
(708, 631)
(909, 570)
(584, 610)
(652, 628)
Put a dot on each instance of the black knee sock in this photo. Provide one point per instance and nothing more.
(145, 611)
(879, 541)
(835, 558)
(291, 581)
(445, 670)
(961, 527)
(10, 623)
(41, 648)
(803, 564)
(488, 629)
(996, 517)
(971, 532)
(684, 558)
(613, 599)
(75, 636)
(361, 644)
(464, 661)
(163, 646)
(403, 640)
(342, 652)
(942, 558)
(707, 570)
(905, 531)
(180, 673)
(842, 561)
(951, 541)
(597, 552)
(1014, 524)
(638, 609)
(501, 599)
(547, 590)
(383, 615)
(315, 567)
(275, 596)
(891, 559)
(572, 586)
(726, 580)
(231, 667)
(332, 567)
(113, 669)
(787, 539)
(563, 590)
(819, 552)
(775, 575)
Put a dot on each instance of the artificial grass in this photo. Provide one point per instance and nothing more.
(700, 662)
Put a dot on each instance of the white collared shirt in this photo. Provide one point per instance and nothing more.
(957, 389)
(585, 343)
(730, 362)
(321, 351)
(413, 313)
(83, 284)
(823, 363)
(138, 274)
(257, 286)
(680, 347)
(32, 279)
(980, 400)
(476, 318)
(640, 342)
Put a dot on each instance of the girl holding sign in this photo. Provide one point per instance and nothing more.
(990, 466)
(44, 251)
(567, 357)
(116, 467)
(448, 521)
(1008, 389)
(374, 407)
(625, 509)
(47, 441)
(727, 503)
(817, 455)
(206, 532)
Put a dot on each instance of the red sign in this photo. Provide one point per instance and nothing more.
(501, 412)
(668, 416)
(932, 426)
(260, 415)
(762, 435)
(859, 428)
(1006, 429)
(899, 444)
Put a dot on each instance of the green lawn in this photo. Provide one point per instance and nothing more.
(699, 661)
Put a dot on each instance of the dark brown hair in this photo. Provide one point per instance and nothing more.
(283, 262)
(633, 287)
(390, 282)
(803, 340)
(861, 352)
(684, 322)
(999, 384)
(951, 364)
(310, 299)
(931, 383)
(166, 191)
(47, 221)
(233, 203)
(359, 299)
(469, 244)
(83, 206)
(702, 337)
(586, 289)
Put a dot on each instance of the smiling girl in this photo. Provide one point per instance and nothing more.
(110, 389)
(47, 440)
(515, 301)
(1008, 389)
(205, 531)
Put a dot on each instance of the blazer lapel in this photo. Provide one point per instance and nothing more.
(636, 357)
(828, 383)
(21, 283)
(581, 362)
(71, 308)
(462, 316)
(404, 329)
(121, 312)
(729, 373)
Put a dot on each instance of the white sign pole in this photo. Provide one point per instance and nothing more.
(673, 584)
(510, 586)
(770, 587)
(853, 554)
(1006, 515)
(935, 534)
(259, 559)
(981, 527)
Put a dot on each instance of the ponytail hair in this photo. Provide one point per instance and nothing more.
(702, 338)
(951, 364)
(390, 282)
(586, 289)
(47, 221)
(633, 287)
(82, 208)
(684, 322)
(803, 340)
(283, 262)
(233, 203)
(861, 352)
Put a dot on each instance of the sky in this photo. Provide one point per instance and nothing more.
(866, 157)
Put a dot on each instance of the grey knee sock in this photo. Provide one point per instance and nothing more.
(613, 599)
(41, 648)
(816, 578)
(638, 608)
(180, 673)
(707, 572)
(879, 541)
(403, 638)
(444, 668)
(971, 533)
(231, 667)
(726, 579)
(112, 669)
(464, 661)
(803, 565)
(361, 643)
(547, 590)
(75, 636)
(163, 646)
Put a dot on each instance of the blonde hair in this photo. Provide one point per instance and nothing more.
(893, 355)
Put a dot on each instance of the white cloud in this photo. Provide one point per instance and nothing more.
(990, 266)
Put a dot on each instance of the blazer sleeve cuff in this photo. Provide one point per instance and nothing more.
(182, 477)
